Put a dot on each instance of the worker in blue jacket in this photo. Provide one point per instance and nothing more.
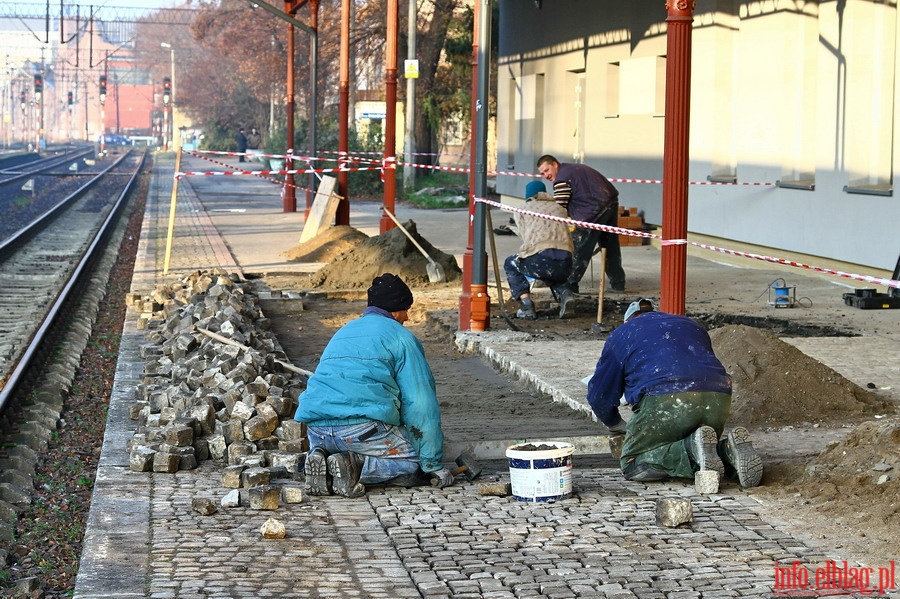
(371, 405)
(663, 367)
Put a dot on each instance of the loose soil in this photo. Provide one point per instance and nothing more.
(831, 449)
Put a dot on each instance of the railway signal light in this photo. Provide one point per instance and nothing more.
(23, 100)
(167, 90)
(38, 85)
(102, 89)
(71, 99)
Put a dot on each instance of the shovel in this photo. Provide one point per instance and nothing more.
(598, 327)
(434, 270)
(490, 228)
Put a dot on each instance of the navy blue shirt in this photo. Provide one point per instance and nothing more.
(583, 191)
(654, 353)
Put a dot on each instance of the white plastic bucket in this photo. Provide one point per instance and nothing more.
(540, 470)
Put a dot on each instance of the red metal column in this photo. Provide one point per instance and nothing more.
(675, 154)
(313, 94)
(342, 217)
(390, 119)
(465, 298)
(289, 201)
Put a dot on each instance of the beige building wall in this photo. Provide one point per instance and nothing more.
(795, 102)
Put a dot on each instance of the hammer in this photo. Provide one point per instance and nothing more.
(466, 465)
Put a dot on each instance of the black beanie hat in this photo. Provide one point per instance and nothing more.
(390, 293)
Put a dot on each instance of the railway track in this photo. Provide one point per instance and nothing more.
(61, 161)
(45, 263)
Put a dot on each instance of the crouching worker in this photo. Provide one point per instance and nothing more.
(545, 254)
(663, 366)
(371, 406)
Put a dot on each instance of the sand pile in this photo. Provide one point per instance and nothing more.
(363, 259)
(327, 245)
(775, 384)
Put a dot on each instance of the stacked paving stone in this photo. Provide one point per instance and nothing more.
(214, 386)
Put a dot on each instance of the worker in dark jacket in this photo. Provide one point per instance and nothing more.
(588, 197)
(371, 406)
(663, 367)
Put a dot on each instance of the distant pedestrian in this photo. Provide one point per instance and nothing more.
(241, 140)
(254, 140)
(589, 197)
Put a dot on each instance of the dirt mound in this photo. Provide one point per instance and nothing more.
(868, 457)
(775, 384)
(327, 245)
(389, 252)
(853, 488)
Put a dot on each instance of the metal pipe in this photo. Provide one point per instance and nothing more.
(289, 199)
(465, 298)
(313, 104)
(390, 119)
(342, 216)
(480, 317)
(409, 146)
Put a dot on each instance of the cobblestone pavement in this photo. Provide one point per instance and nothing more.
(144, 540)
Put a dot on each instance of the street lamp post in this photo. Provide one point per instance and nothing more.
(176, 138)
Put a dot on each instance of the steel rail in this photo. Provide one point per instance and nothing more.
(77, 278)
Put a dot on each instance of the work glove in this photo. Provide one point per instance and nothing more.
(442, 478)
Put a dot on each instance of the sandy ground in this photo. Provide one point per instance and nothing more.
(831, 449)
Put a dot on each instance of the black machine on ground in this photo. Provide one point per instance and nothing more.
(869, 299)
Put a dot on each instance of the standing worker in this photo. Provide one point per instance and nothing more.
(241, 140)
(371, 406)
(663, 366)
(589, 197)
(545, 254)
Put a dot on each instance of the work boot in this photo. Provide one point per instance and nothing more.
(740, 458)
(565, 297)
(345, 469)
(701, 449)
(318, 481)
(527, 309)
(644, 473)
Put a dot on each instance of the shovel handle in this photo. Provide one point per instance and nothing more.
(407, 233)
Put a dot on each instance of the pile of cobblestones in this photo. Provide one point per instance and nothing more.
(214, 386)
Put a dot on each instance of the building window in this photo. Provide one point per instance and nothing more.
(612, 90)
(642, 86)
(867, 91)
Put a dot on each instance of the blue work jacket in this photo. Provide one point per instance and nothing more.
(375, 369)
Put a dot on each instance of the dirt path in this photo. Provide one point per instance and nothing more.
(477, 403)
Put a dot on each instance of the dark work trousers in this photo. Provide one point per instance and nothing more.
(585, 240)
(537, 266)
(656, 431)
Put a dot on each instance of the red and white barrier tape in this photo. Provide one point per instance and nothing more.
(276, 181)
(198, 153)
(281, 172)
(360, 157)
(633, 233)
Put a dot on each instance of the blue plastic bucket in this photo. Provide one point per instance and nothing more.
(540, 470)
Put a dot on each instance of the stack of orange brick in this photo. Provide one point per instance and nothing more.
(629, 219)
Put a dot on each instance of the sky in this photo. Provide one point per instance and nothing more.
(38, 7)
